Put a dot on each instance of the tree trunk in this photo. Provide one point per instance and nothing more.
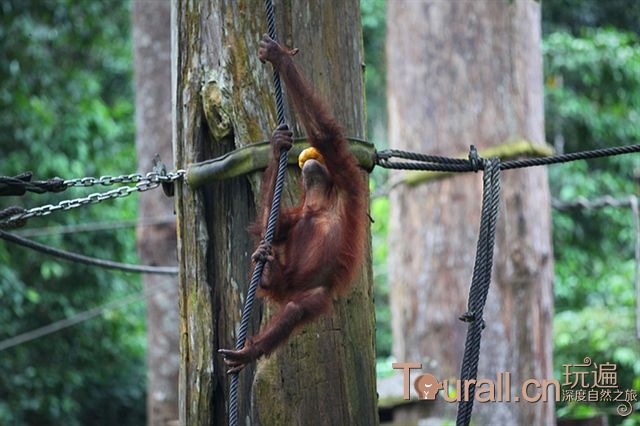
(461, 73)
(157, 243)
(224, 100)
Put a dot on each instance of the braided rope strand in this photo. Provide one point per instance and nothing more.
(271, 227)
(253, 286)
(271, 25)
(447, 164)
(480, 286)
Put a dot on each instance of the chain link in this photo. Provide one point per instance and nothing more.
(142, 183)
(131, 178)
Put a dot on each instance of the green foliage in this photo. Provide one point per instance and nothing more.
(605, 335)
(574, 15)
(373, 13)
(596, 246)
(592, 88)
(379, 231)
(66, 101)
(600, 335)
(384, 367)
(592, 99)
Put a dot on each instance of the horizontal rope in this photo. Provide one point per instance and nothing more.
(416, 156)
(20, 184)
(572, 156)
(86, 260)
(447, 164)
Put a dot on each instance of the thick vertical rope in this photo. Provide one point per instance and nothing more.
(271, 227)
(479, 286)
(271, 24)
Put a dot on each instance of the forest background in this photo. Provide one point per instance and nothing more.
(67, 102)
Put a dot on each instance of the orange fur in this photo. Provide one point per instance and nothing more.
(314, 249)
(318, 245)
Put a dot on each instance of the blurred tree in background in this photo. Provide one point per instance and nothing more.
(67, 110)
(592, 100)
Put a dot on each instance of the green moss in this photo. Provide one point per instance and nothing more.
(266, 376)
(256, 156)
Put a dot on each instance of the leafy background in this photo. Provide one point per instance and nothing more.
(66, 98)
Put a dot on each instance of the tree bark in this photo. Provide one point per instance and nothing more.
(157, 243)
(224, 100)
(461, 73)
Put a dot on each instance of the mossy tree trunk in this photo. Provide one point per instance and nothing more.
(461, 73)
(223, 99)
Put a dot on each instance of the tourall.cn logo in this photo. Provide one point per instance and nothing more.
(498, 389)
(588, 381)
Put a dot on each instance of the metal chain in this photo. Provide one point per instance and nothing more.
(114, 180)
(142, 183)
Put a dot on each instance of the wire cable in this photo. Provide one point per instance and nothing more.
(86, 260)
(74, 320)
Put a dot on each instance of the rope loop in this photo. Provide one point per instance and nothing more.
(467, 317)
(475, 160)
(385, 154)
(10, 212)
(20, 184)
(470, 317)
